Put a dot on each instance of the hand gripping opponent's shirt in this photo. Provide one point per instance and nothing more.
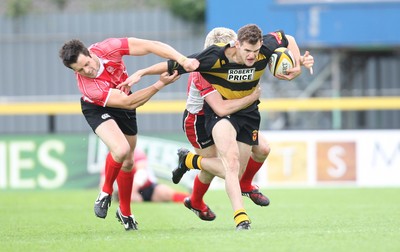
(111, 73)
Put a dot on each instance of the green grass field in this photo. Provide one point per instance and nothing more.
(346, 219)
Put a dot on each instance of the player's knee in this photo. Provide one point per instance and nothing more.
(266, 150)
(233, 164)
(262, 152)
(127, 166)
(121, 152)
(205, 177)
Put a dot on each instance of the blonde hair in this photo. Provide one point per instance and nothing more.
(219, 35)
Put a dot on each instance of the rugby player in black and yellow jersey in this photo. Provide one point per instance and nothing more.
(234, 69)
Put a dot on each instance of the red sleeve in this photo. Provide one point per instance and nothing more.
(111, 48)
(202, 85)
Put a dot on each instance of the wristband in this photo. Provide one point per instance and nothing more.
(182, 60)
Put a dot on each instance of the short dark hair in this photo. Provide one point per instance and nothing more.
(250, 33)
(70, 51)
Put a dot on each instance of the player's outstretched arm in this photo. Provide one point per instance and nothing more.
(118, 99)
(158, 68)
(140, 47)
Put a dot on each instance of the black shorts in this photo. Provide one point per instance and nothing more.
(147, 192)
(95, 115)
(246, 123)
(195, 130)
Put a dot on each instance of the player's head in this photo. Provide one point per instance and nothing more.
(248, 43)
(75, 55)
(70, 51)
(250, 33)
(219, 35)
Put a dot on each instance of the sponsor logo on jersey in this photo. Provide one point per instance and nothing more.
(278, 36)
(105, 116)
(255, 135)
(240, 75)
(110, 69)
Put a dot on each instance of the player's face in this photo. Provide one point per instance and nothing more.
(86, 66)
(248, 52)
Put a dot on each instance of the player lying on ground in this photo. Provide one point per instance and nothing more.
(145, 186)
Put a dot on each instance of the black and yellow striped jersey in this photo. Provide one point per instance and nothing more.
(233, 80)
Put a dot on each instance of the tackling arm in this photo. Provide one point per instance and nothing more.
(223, 107)
(118, 99)
(140, 47)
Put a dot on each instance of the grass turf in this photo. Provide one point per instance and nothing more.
(329, 219)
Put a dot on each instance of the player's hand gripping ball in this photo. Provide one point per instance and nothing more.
(281, 60)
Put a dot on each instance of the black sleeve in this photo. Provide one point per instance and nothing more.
(206, 58)
(173, 65)
(274, 40)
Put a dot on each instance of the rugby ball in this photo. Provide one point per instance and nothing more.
(281, 60)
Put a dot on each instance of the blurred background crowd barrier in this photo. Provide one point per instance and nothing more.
(355, 48)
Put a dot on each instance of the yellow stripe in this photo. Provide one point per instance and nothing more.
(228, 93)
(327, 104)
(240, 215)
(48, 108)
(199, 162)
(189, 160)
(311, 104)
(177, 106)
